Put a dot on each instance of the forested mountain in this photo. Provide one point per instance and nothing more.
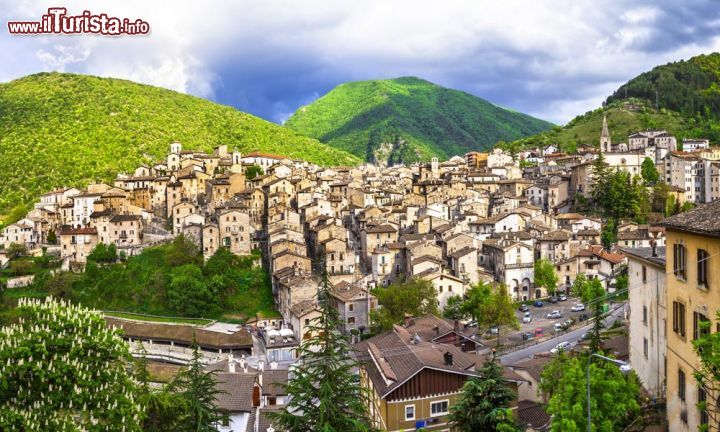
(64, 129)
(408, 119)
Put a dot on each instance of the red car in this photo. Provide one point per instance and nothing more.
(538, 332)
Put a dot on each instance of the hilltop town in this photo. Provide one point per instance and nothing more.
(472, 219)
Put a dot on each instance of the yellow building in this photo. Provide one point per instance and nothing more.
(693, 284)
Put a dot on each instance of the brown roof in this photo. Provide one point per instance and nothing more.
(701, 220)
(183, 334)
(236, 391)
(533, 414)
(385, 228)
(400, 358)
(76, 231)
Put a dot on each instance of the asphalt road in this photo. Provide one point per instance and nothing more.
(572, 337)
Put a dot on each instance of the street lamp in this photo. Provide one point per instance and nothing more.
(624, 368)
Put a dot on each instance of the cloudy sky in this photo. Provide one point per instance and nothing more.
(550, 58)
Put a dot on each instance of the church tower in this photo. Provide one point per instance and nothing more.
(605, 143)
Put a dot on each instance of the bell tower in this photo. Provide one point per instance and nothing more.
(605, 142)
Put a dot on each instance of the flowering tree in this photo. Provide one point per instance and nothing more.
(63, 369)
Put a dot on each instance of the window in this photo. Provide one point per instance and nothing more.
(439, 408)
(698, 330)
(645, 315)
(645, 347)
(678, 318)
(702, 397)
(679, 261)
(351, 320)
(644, 274)
(409, 412)
(702, 267)
(681, 385)
(351, 307)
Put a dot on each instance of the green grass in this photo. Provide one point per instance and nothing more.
(160, 319)
(68, 130)
(413, 118)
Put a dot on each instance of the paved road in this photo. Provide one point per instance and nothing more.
(572, 336)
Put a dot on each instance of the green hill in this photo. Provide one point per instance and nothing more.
(624, 117)
(63, 129)
(408, 119)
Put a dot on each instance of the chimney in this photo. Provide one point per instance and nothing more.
(437, 330)
(261, 365)
(409, 320)
(457, 326)
(448, 358)
(653, 245)
(273, 365)
(231, 363)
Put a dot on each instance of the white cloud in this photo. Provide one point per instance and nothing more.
(552, 58)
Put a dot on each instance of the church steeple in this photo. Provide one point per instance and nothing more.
(605, 142)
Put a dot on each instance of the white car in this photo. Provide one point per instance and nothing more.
(554, 315)
(578, 307)
(527, 317)
(557, 327)
(562, 346)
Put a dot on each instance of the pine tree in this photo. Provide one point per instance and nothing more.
(325, 393)
(484, 403)
(600, 180)
(196, 386)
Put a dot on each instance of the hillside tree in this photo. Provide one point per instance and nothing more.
(490, 305)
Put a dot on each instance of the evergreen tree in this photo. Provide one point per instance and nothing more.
(600, 175)
(196, 386)
(484, 403)
(649, 171)
(51, 237)
(325, 393)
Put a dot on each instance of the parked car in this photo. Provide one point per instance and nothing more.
(538, 303)
(562, 297)
(568, 322)
(583, 317)
(553, 299)
(523, 308)
(527, 335)
(578, 307)
(585, 336)
(494, 330)
(558, 327)
(527, 317)
(472, 324)
(539, 332)
(554, 315)
(562, 346)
